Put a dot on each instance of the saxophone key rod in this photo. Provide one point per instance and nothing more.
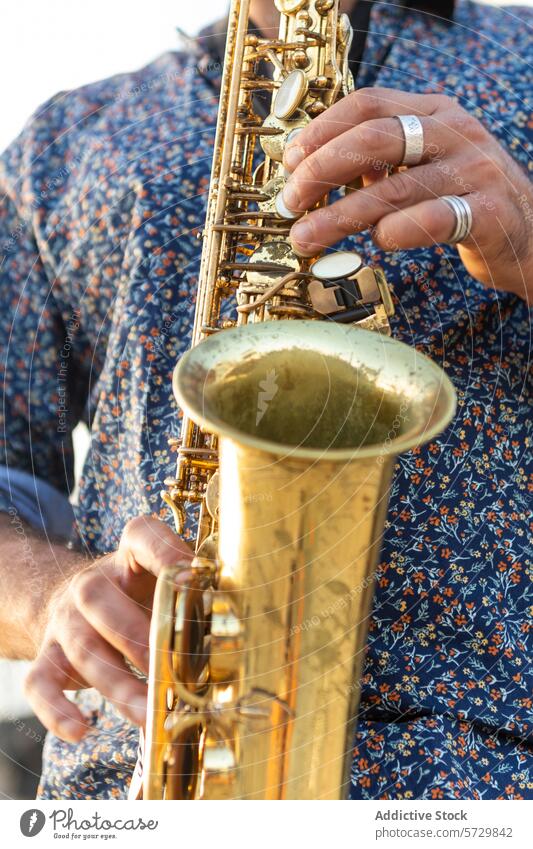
(258, 131)
(244, 231)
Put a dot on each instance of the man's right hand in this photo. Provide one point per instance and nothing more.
(94, 621)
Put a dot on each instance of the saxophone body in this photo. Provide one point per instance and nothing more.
(290, 430)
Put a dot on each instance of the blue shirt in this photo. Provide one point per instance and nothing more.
(103, 195)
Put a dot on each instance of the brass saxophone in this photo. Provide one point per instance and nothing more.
(288, 441)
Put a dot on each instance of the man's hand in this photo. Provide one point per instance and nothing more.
(360, 137)
(97, 619)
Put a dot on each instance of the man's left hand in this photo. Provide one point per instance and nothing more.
(360, 137)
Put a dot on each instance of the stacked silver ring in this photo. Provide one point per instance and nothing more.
(413, 133)
(463, 218)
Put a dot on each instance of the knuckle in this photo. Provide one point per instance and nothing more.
(429, 219)
(369, 137)
(466, 127)
(86, 588)
(313, 171)
(133, 530)
(33, 680)
(368, 102)
(83, 647)
(38, 672)
(350, 100)
(54, 654)
(153, 542)
(485, 169)
(444, 101)
(133, 525)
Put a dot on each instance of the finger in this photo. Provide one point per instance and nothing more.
(368, 148)
(366, 104)
(104, 668)
(45, 682)
(150, 544)
(429, 223)
(363, 209)
(115, 616)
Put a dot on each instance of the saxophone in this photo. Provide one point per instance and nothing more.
(290, 430)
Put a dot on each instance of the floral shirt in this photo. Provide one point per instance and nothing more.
(104, 193)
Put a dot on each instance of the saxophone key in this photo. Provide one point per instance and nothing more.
(290, 95)
(337, 266)
(343, 288)
(289, 7)
(278, 254)
(212, 495)
(274, 145)
(283, 210)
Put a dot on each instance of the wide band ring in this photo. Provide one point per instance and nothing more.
(413, 133)
(463, 218)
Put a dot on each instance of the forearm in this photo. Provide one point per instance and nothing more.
(32, 568)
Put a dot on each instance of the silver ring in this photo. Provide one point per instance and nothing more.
(463, 218)
(413, 133)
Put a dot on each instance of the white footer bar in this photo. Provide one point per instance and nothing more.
(250, 825)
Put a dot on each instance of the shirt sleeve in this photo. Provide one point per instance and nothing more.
(26, 497)
(40, 397)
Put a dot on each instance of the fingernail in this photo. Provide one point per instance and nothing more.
(290, 196)
(294, 154)
(302, 235)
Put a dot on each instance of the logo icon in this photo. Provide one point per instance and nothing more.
(32, 822)
(268, 389)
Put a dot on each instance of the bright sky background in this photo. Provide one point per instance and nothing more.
(52, 45)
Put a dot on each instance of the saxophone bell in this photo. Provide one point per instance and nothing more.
(310, 418)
